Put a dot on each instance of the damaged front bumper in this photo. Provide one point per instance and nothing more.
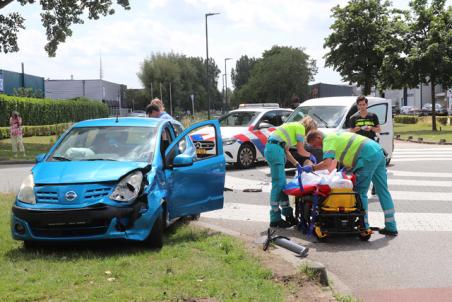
(97, 221)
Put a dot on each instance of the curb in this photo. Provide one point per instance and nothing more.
(326, 278)
(423, 142)
(16, 162)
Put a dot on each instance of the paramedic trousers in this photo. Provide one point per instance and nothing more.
(371, 166)
(276, 158)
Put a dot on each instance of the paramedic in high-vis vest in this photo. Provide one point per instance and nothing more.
(366, 159)
(276, 152)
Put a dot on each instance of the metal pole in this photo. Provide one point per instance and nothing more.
(170, 100)
(161, 97)
(207, 65)
(152, 92)
(226, 81)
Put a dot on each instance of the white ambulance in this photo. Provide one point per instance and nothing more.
(333, 114)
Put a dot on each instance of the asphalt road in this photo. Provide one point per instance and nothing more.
(415, 266)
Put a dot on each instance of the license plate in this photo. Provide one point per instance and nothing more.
(201, 151)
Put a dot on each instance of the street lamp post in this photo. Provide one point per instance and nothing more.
(226, 81)
(207, 65)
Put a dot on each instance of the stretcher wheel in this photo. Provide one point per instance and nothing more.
(321, 236)
(365, 236)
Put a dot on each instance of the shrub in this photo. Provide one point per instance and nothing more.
(49, 112)
(406, 119)
(44, 130)
(442, 119)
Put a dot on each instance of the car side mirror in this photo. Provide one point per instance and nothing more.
(183, 160)
(265, 125)
(40, 157)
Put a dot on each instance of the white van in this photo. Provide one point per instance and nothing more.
(333, 113)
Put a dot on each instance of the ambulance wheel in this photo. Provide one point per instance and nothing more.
(321, 236)
(364, 236)
(246, 156)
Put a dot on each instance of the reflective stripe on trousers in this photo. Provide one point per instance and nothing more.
(279, 202)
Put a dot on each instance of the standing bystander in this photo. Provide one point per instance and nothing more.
(15, 123)
(365, 123)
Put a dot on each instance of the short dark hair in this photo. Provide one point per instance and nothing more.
(151, 108)
(312, 135)
(361, 98)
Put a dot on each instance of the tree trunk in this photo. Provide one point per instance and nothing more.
(367, 87)
(432, 82)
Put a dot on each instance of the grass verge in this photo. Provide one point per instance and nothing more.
(34, 145)
(424, 130)
(193, 264)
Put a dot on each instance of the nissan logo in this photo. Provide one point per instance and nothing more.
(70, 196)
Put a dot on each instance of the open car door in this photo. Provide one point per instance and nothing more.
(195, 175)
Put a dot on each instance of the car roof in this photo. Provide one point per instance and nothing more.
(259, 109)
(337, 101)
(123, 121)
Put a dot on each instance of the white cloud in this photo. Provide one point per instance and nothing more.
(247, 27)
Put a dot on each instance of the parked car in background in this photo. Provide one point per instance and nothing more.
(125, 178)
(137, 113)
(439, 110)
(409, 110)
(245, 131)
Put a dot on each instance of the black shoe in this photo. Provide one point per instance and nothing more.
(280, 224)
(291, 220)
(373, 191)
(388, 232)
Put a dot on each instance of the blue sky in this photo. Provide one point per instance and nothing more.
(247, 27)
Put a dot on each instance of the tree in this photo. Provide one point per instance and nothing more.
(187, 76)
(430, 40)
(283, 72)
(358, 30)
(241, 74)
(57, 18)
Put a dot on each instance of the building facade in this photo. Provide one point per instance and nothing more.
(109, 93)
(10, 81)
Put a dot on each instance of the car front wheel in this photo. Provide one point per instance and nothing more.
(246, 156)
(155, 238)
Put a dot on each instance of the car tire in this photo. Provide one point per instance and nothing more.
(155, 238)
(246, 156)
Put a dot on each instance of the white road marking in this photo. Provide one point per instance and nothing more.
(417, 174)
(240, 184)
(421, 159)
(405, 221)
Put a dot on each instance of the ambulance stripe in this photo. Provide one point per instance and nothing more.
(259, 135)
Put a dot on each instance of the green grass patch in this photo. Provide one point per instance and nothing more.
(34, 145)
(424, 130)
(193, 264)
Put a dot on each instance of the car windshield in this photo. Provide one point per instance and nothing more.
(107, 143)
(325, 116)
(238, 118)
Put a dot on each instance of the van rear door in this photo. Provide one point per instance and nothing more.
(383, 109)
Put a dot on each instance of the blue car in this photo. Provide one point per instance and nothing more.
(124, 178)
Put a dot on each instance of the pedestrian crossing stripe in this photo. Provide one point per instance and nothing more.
(428, 222)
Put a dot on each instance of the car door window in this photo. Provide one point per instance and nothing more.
(201, 143)
(165, 140)
(275, 118)
(381, 110)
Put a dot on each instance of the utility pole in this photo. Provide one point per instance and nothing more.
(170, 100)
(207, 65)
(226, 81)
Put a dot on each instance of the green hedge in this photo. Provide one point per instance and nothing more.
(44, 130)
(406, 119)
(442, 119)
(49, 112)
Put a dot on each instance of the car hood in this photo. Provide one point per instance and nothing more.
(82, 171)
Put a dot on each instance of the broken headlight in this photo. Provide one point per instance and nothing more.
(128, 188)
